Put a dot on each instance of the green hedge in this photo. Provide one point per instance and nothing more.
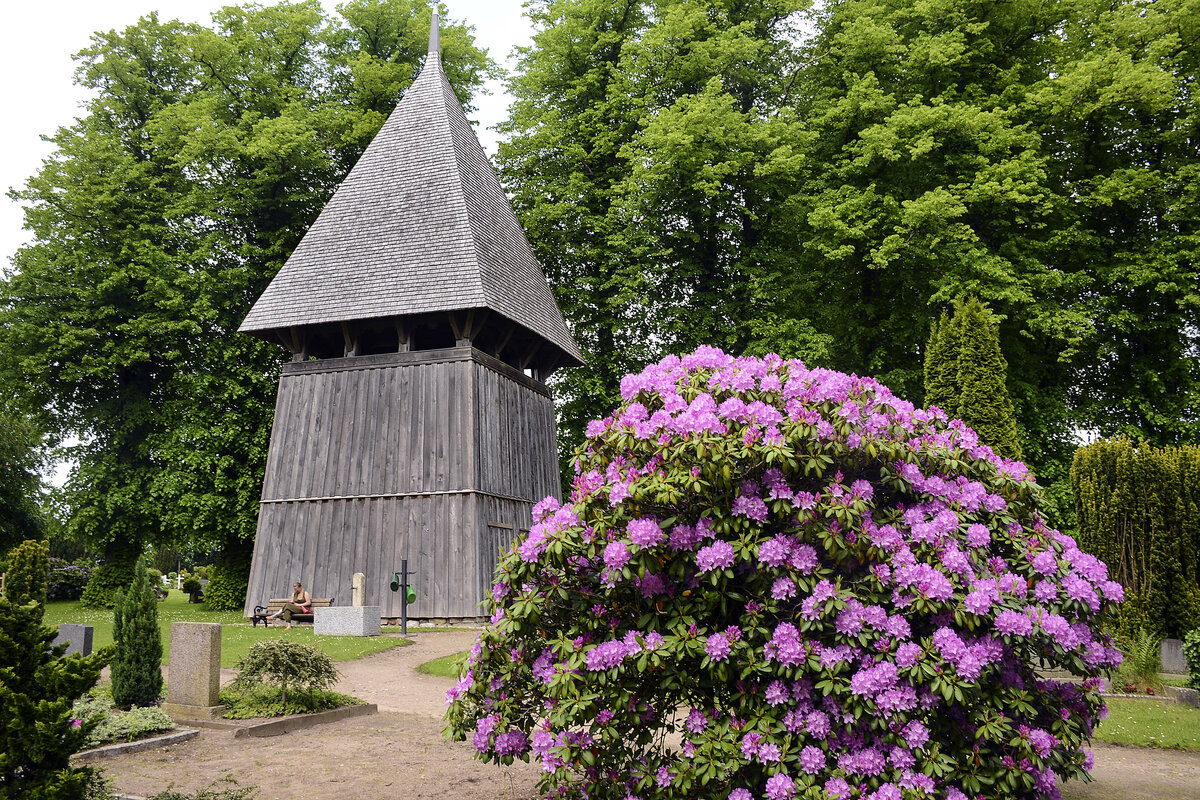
(1139, 510)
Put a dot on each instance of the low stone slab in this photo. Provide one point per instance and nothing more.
(1184, 695)
(191, 713)
(346, 621)
(77, 637)
(117, 748)
(299, 722)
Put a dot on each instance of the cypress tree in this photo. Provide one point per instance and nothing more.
(966, 375)
(136, 675)
(941, 366)
(37, 688)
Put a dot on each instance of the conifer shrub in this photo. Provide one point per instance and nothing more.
(37, 687)
(770, 581)
(136, 666)
(28, 572)
(1138, 508)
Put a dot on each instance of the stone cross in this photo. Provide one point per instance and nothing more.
(194, 671)
(358, 584)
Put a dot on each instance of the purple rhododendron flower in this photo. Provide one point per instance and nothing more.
(717, 647)
(644, 532)
(812, 759)
(717, 555)
(780, 787)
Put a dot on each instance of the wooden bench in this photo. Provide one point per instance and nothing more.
(276, 604)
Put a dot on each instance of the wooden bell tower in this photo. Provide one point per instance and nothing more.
(413, 421)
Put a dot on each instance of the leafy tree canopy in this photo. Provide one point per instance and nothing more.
(162, 214)
(819, 181)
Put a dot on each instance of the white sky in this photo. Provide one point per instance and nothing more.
(38, 93)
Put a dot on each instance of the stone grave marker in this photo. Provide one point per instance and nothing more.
(358, 583)
(194, 671)
(77, 637)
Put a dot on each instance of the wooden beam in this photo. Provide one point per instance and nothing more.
(403, 336)
(350, 339)
(508, 334)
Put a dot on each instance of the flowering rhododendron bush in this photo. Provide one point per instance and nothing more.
(776, 582)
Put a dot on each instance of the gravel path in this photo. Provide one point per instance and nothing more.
(400, 753)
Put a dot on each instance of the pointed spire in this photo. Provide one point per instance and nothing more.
(435, 41)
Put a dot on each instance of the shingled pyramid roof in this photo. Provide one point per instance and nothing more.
(419, 225)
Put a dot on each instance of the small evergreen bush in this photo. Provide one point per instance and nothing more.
(136, 675)
(37, 688)
(191, 585)
(67, 580)
(28, 572)
(286, 665)
(783, 582)
(107, 580)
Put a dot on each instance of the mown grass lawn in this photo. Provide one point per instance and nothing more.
(446, 666)
(237, 634)
(1151, 723)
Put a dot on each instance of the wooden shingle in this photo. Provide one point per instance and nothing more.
(419, 225)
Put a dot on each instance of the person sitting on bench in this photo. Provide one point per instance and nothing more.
(301, 604)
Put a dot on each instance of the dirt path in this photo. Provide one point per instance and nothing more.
(400, 752)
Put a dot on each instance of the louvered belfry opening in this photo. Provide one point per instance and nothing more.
(413, 420)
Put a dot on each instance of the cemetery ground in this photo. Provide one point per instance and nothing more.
(401, 753)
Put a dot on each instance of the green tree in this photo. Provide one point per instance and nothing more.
(965, 375)
(136, 665)
(28, 573)
(646, 156)
(20, 457)
(37, 688)
(163, 213)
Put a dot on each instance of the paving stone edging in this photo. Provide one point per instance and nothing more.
(105, 751)
(278, 727)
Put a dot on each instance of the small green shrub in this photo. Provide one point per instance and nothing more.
(28, 572)
(286, 665)
(67, 580)
(124, 726)
(136, 673)
(261, 700)
(227, 589)
(191, 585)
(107, 580)
(1191, 652)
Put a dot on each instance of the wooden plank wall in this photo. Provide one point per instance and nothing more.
(357, 441)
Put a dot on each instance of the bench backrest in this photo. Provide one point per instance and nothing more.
(276, 603)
